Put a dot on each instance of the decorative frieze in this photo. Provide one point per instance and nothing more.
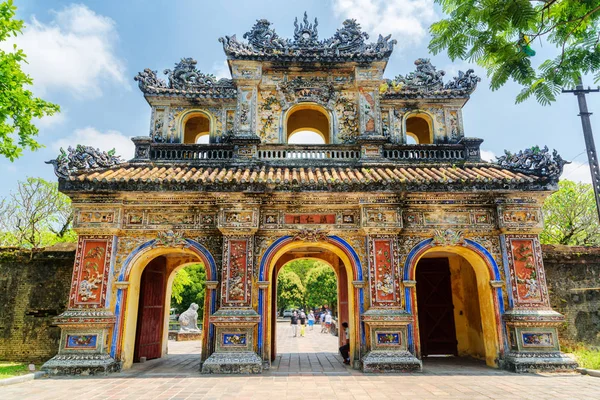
(91, 271)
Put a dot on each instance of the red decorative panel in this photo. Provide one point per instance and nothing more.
(91, 271)
(238, 268)
(382, 260)
(526, 270)
(308, 219)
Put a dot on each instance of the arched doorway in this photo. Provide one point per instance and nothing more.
(456, 302)
(334, 251)
(143, 300)
(307, 123)
(418, 128)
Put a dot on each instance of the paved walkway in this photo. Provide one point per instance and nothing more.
(307, 376)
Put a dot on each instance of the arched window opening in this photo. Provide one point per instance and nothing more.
(306, 122)
(203, 138)
(196, 127)
(419, 127)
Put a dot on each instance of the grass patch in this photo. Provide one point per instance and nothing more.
(587, 357)
(10, 369)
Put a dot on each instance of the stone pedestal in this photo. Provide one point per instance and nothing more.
(82, 349)
(533, 342)
(234, 350)
(387, 333)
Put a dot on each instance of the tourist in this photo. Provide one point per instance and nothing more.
(328, 321)
(302, 322)
(311, 320)
(294, 322)
(323, 323)
(345, 349)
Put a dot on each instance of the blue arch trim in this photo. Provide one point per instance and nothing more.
(121, 292)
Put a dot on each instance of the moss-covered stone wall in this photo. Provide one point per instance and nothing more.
(573, 278)
(32, 291)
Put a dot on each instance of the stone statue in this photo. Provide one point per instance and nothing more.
(188, 320)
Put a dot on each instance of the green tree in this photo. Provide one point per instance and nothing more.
(321, 287)
(570, 216)
(36, 215)
(189, 290)
(500, 36)
(290, 290)
(301, 267)
(18, 106)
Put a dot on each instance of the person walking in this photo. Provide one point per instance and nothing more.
(311, 320)
(294, 322)
(345, 349)
(328, 321)
(323, 323)
(302, 322)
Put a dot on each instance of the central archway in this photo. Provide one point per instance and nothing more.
(351, 273)
(305, 119)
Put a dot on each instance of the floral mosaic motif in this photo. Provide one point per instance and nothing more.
(534, 161)
(90, 272)
(388, 338)
(448, 237)
(310, 235)
(348, 43)
(170, 239)
(81, 341)
(236, 274)
(526, 271)
(300, 89)
(234, 339)
(384, 270)
(82, 158)
(538, 339)
(348, 122)
(367, 103)
(269, 109)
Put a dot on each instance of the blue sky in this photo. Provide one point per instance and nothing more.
(84, 56)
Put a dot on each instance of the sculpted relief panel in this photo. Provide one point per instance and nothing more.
(90, 272)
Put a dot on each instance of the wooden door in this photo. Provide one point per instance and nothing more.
(435, 308)
(148, 341)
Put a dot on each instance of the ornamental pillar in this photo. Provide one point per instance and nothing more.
(236, 321)
(247, 76)
(386, 322)
(371, 136)
(86, 323)
(530, 322)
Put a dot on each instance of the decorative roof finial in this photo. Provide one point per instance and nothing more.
(306, 34)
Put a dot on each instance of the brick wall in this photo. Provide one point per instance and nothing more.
(573, 277)
(32, 291)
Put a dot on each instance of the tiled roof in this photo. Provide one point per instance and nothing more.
(311, 178)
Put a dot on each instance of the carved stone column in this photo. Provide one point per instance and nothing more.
(235, 321)
(86, 323)
(386, 322)
(531, 323)
(247, 75)
(370, 136)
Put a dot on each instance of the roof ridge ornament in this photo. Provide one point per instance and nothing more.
(428, 82)
(534, 161)
(83, 158)
(347, 44)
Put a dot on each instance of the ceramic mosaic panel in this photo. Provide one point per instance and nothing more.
(90, 272)
(238, 258)
(382, 261)
(388, 338)
(520, 218)
(309, 219)
(96, 217)
(367, 104)
(234, 340)
(526, 270)
(537, 339)
(81, 342)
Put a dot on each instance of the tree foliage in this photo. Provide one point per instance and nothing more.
(321, 287)
(570, 216)
(36, 215)
(290, 290)
(18, 106)
(188, 288)
(501, 35)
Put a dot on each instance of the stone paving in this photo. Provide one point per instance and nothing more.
(314, 371)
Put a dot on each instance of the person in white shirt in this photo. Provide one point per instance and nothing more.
(328, 321)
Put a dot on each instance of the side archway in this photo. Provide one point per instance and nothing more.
(353, 269)
(128, 291)
(489, 289)
(195, 125)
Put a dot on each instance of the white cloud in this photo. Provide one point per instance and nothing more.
(578, 172)
(90, 136)
(488, 155)
(407, 20)
(221, 70)
(74, 52)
